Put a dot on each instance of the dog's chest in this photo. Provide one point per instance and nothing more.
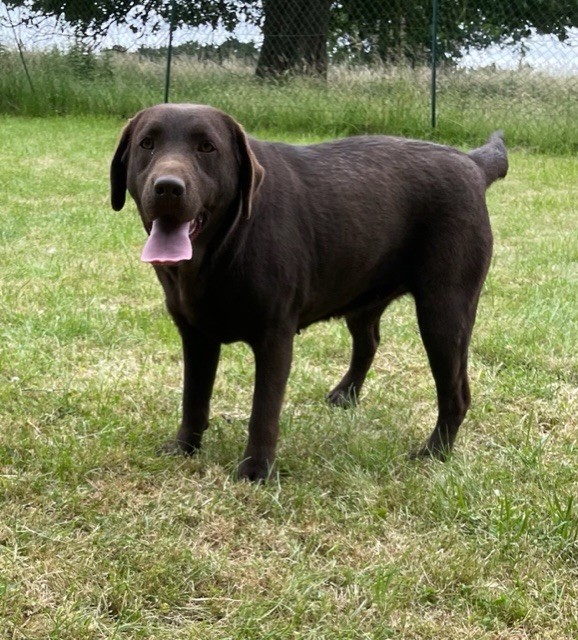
(215, 305)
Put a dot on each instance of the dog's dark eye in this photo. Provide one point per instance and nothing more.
(206, 147)
(147, 143)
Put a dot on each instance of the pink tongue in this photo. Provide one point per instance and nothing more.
(168, 243)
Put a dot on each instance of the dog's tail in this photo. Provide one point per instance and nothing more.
(492, 158)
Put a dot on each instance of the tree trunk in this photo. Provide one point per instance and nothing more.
(294, 38)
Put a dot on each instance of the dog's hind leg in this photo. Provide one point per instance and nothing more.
(364, 329)
(446, 317)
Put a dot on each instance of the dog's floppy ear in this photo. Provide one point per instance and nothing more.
(118, 169)
(252, 173)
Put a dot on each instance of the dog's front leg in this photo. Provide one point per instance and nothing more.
(201, 357)
(273, 354)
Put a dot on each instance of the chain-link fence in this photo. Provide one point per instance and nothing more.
(444, 68)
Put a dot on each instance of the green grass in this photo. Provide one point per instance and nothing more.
(537, 111)
(101, 539)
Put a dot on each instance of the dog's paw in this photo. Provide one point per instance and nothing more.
(344, 397)
(254, 470)
(174, 447)
(433, 453)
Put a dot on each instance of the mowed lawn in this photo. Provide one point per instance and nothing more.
(100, 538)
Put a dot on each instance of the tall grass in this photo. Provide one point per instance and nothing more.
(537, 111)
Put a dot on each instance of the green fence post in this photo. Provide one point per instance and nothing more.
(169, 52)
(20, 50)
(434, 39)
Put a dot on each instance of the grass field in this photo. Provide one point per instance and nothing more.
(538, 110)
(101, 539)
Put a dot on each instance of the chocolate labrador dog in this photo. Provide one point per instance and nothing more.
(253, 241)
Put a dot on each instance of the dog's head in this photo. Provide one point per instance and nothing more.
(190, 170)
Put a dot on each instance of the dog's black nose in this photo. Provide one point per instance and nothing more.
(169, 187)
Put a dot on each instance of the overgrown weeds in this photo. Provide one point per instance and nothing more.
(537, 111)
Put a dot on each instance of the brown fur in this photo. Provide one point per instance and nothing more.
(298, 234)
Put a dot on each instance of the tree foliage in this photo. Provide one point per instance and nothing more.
(400, 30)
(91, 18)
(298, 35)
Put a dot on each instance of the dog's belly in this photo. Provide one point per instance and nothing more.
(376, 292)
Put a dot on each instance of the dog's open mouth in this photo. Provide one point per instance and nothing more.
(170, 243)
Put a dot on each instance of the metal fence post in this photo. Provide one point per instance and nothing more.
(434, 38)
(20, 51)
(169, 52)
